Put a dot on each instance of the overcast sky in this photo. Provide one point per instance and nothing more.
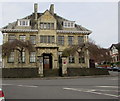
(99, 17)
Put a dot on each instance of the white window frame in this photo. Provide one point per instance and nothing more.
(32, 57)
(22, 38)
(11, 38)
(70, 40)
(23, 57)
(69, 24)
(24, 22)
(11, 57)
(60, 40)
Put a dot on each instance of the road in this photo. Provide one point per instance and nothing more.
(103, 87)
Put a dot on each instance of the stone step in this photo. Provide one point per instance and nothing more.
(51, 72)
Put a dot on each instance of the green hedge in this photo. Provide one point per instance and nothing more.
(19, 72)
(86, 71)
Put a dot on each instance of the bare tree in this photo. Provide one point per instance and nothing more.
(18, 45)
(73, 49)
(96, 53)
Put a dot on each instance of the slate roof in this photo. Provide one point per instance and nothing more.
(57, 17)
(117, 46)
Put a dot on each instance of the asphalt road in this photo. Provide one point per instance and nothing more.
(62, 88)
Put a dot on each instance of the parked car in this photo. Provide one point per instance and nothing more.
(110, 68)
(101, 67)
(116, 69)
(1, 95)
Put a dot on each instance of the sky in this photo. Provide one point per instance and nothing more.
(99, 17)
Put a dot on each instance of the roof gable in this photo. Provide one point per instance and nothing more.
(117, 46)
(47, 16)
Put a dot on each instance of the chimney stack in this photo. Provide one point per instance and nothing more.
(52, 9)
(35, 10)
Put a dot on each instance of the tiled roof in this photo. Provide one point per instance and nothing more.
(57, 17)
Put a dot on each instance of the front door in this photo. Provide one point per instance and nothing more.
(47, 61)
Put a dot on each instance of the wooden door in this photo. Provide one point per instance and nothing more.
(47, 62)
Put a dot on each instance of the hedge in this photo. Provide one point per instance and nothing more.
(86, 71)
(19, 72)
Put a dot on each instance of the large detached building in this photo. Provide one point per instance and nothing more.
(50, 34)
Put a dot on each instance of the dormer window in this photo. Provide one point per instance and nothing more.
(69, 24)
(24, 22)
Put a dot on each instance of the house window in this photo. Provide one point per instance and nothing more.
(52, 26)
(60, 40)
(65, 24)
(43, 39)
(47, 39)
(23, 57)
(41, 26)
(70, 40)
(46, 26)
(80, 39)
(72, 24)
(22, 37)
(32, 57)
(71, 59)
(69, 24)
(81, 60)
(33, 39)
(23, 22)
(11, 58)
(11, 38)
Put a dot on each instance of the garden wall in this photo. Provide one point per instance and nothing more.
(19, 72)
(86, 71)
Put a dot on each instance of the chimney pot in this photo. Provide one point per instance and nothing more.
(35, 11)
(35, 8)
(52, 9)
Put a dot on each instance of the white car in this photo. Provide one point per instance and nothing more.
(1, 95)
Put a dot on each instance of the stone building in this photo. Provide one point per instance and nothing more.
(50, 34)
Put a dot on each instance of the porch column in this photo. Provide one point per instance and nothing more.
(64, 66)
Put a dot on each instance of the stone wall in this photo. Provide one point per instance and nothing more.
(86, 71)
(19, 72)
